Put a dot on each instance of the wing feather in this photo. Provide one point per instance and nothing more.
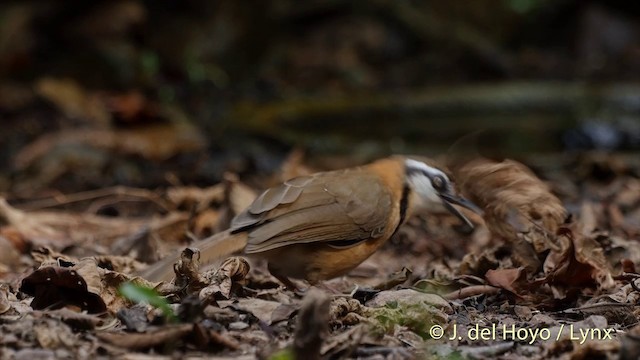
(321, 208)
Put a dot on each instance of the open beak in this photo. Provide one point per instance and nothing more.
(448, 200)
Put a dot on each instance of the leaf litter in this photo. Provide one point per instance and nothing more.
(540, 260)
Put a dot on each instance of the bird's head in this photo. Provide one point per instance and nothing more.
(433, 191)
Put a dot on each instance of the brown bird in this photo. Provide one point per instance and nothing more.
(321, 226)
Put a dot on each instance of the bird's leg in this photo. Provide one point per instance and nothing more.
(285, 280)
(328, 288)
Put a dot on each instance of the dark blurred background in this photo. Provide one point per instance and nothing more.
(149, 93)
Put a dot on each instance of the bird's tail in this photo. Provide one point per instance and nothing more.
(213, 248)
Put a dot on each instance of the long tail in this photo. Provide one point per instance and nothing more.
(211, 249)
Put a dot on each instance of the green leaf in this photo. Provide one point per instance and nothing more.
(284, 354)
(138, 293)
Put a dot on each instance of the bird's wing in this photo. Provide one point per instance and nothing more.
(343, 207)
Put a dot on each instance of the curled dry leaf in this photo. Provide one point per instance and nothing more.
(579, 261)
(187, 270)
(230, 275)
(397, 278)
(515, 201)
(62, 286)
(346, 311)
(519, 206)
(80, 284)
(511, 280)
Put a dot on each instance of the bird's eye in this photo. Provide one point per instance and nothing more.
(438, 182)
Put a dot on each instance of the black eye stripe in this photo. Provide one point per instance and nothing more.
(438, 182)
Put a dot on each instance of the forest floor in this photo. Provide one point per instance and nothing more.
(562, 289)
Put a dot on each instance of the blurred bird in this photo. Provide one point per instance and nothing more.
(321, 226)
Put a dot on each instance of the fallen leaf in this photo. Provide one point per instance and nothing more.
(229, 276)
(508, 279)
(262, 309)
(153, 142)
(578, 261)
(515, 201)
(55, 287)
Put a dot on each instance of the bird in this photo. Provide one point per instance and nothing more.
(321, 226)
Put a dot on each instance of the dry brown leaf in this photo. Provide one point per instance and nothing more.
(9, 255)
(205, 223)
(82, 284)
(154, 142)
(74, 101)
(518, 253)
(56, 287)
(394, 279)
(16, 240)
(198, 199)
(238, 195)
(262, 309)
(187, 271)
(228, 277)
(61, 228)
(580, 261)
(58, 229)
(508, 279)
(346, 311)
(515, 201)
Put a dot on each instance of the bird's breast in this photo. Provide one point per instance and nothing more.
(316, 262)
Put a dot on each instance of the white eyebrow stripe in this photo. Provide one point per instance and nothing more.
(419, 165)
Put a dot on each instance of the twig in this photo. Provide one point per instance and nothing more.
(470, 291)
(117, 191)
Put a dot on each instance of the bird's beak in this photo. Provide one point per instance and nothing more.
(449, 199)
